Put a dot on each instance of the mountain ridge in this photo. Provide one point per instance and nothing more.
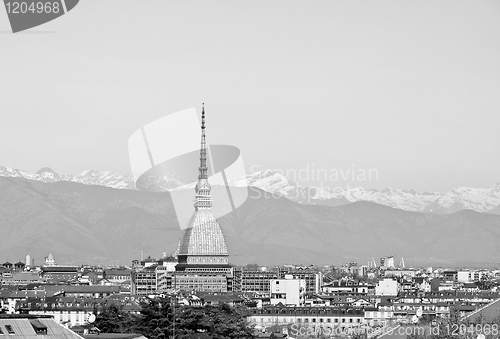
(100, 225)
(484, 200)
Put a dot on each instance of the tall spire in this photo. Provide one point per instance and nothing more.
(203, 118)
(203, 199)
(202, 255)
(203, 149)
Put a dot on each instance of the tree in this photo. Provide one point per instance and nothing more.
(112, 319)
(221, 321)
(156, 320)
(230, 322)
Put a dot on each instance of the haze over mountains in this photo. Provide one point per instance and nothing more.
(82, 223)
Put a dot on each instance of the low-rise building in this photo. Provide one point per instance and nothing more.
(251, 280)
(19, 278)
(270, 316)
(59, 274)
(470, 276)
(68, 311)
(144, 281)
(387, 287)
(399, 273)
(346, 287)
(33, 326)
(289, 292)
(117, 276)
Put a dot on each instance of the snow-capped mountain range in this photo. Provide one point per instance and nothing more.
(100, 178)
(484, 200)
(90, 177)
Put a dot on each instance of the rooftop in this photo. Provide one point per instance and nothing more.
(114, 336)
(32, 327)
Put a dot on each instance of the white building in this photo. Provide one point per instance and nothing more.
(67, 318)
(308, 318)
(469, 276)
(447, 286)
(389, 262)
(288, 291)
(399, 273)
(49, 261)
(362, 271)
(387, 287)
(375, 317)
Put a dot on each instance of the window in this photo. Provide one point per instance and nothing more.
(38, 327)
(1, 332)
(9, 329)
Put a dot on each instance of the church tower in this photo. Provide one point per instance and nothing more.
(202, 255)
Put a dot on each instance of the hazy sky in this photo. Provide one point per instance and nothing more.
(409, 88)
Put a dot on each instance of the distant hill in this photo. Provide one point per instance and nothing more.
(484, 200)
(82, 223)
(94, 224)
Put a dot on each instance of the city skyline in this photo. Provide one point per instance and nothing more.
(407, 89)
(250, 169)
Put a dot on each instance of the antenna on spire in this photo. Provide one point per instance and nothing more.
(203, 199)
(203, 115)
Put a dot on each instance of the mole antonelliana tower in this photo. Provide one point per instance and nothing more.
(202, 254)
